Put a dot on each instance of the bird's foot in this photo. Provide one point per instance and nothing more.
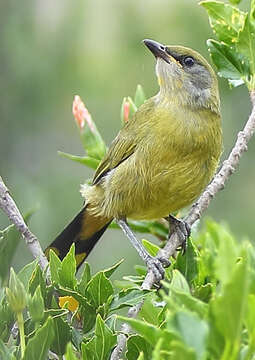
(183, 230)
(157, 265)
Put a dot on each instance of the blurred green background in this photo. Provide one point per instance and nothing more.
(51, 51)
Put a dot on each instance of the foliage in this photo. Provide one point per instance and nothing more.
(205, 307)
(204, 310)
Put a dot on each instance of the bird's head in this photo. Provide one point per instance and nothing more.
(184, 74)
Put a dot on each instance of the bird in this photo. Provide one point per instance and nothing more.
(161, 160)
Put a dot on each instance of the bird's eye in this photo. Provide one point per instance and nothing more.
(189, 61)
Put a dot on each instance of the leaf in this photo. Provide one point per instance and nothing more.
(6, 353)
(180, 351)
(150, 332)
(89, 161)
(36, 305)
(88, 350)
(55, 266)
(62, 331)
(36, 279)
(38, 346)
(137, 344)
(225, 20)
(104, 340)
(192, 330)
(246, 46)
(229, 308)
(67, 270)
(69, 355)
(108, 272)
(140, 97)
(85, 278)
(187, 263)
(150, 247)
(230, 64)
(226, 259)
(249, 320)
(99, 289)
(178, 282)
(26, 272)
(129, 297)
(9, 240)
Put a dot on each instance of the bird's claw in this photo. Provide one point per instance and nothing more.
(157, 265)
(183, 230)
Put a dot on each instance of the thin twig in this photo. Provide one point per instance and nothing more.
(217, 184)
(8, 205)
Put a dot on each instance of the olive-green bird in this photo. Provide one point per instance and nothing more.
(161, 160)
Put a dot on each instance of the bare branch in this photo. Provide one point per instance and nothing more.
(8, 205)
(217, 184)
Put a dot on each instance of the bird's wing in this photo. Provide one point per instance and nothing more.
(120, 149)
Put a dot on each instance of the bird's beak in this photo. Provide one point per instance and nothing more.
(157, 49)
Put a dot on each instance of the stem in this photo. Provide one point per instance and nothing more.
(20, 321)
(217, 184)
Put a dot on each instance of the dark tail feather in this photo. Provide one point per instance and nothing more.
(84, 230)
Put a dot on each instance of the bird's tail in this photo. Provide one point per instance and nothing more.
(84, 230)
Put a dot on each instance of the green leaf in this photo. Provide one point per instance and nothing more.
(36, 305)
(99, 289)
(37, 279)
(68, 270)
(226, 259)
(150, 332)
(88, 161)
(85, 278)
(128, 297)
(225, 20)
(181, 351)
(108, 272)
(62, 331)
(38, 346)
(152, 248)
(249, 321)
(140, 97)
(192, 330)
(55, 267)
(69, 355)
(6, 353)
(137, 344)
(179, 282)
(16, 294)
(246, 46)
(230, 64)
(88, 350)
(187, 263)
(9, 240)
(26, 273)
(105, 339)
(229, 308)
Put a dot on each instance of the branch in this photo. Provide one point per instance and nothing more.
(8, 205)
(217, 184)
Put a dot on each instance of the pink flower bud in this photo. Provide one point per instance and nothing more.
(126, 109)
(81, 114)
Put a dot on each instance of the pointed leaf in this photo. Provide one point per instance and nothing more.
(84, 160)
(225, 20)
(69, 355)
(62, 331)
(99, 289)
(38, 346)
(68, 270)
(129, 297)
(139, 96)
(105, 339)
(137, 344)
(230, 64)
